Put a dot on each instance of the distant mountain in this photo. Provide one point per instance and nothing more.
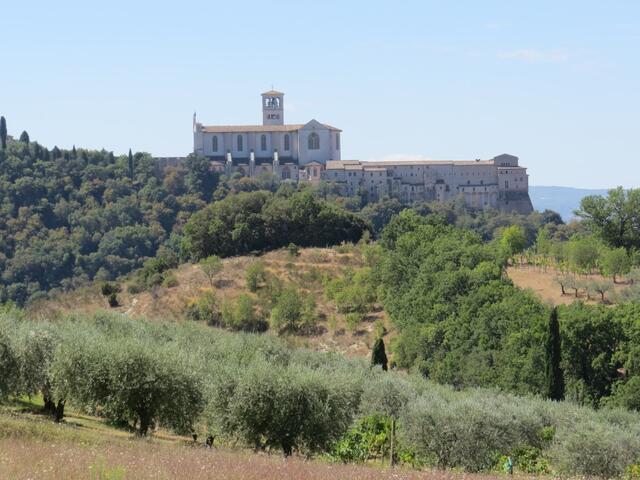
(563, 200)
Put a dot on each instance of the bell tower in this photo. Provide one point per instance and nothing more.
(273, 108)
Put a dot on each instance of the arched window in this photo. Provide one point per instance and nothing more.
(314, 141)
(263, 142)
(240, 143)
(287, 143)
(214, 143)
(337, 140)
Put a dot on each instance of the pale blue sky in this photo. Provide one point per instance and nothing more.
(555, 82)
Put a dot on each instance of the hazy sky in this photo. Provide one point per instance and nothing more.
(555, 82)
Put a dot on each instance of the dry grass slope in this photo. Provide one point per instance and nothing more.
(544, 285)
(305, 271)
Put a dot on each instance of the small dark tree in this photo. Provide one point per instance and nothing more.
(293, 250)
(74, 152)
(130, 163)
(24, 137)
(111, 290)
(3, 133)
(378, 354)
(554, 378)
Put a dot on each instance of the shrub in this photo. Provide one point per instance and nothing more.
(170, 281)
(293, 250)
(242, 315)
(367, 439)
(205, 309)
(255, 276)
(293, 311)
(353, 320)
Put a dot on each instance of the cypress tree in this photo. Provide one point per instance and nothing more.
(74, 153)
(3, 133)
(378, 354)
(554, 378)
(130, 164)
(24, 137)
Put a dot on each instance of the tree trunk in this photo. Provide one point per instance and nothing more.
(287, 448)
(145, 423)
(49, 404)
(392, 453)
(59, 411)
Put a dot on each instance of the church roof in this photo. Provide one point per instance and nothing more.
(273, 92)
(257, 128)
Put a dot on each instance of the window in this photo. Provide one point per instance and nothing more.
(263, 142)
(214, 143)
(287, 143)
(314, 141)
(337, 140)
(240, 147)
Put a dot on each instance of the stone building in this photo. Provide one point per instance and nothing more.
(290, 151)
(311, 152)
(499, 183)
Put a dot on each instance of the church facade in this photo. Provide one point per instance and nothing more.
(289, 151)
(312, 152)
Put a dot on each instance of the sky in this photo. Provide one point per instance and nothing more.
(556, 83)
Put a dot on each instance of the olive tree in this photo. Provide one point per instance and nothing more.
(288, 408)
(130, 381)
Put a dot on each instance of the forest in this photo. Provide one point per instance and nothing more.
(68, 217)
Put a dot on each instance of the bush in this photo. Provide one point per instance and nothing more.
(368, 439)
(170, 281)
(293, 250)
(255, 276)
(242, 315)
(205, 309)
(293, 311)
(353, 320)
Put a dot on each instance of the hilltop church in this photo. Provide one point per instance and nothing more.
(290, 151)
(311, 152)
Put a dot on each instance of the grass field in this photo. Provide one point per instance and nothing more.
(81, 447)
(544, 285)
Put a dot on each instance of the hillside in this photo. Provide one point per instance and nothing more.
(305, 270)
(563, 200)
